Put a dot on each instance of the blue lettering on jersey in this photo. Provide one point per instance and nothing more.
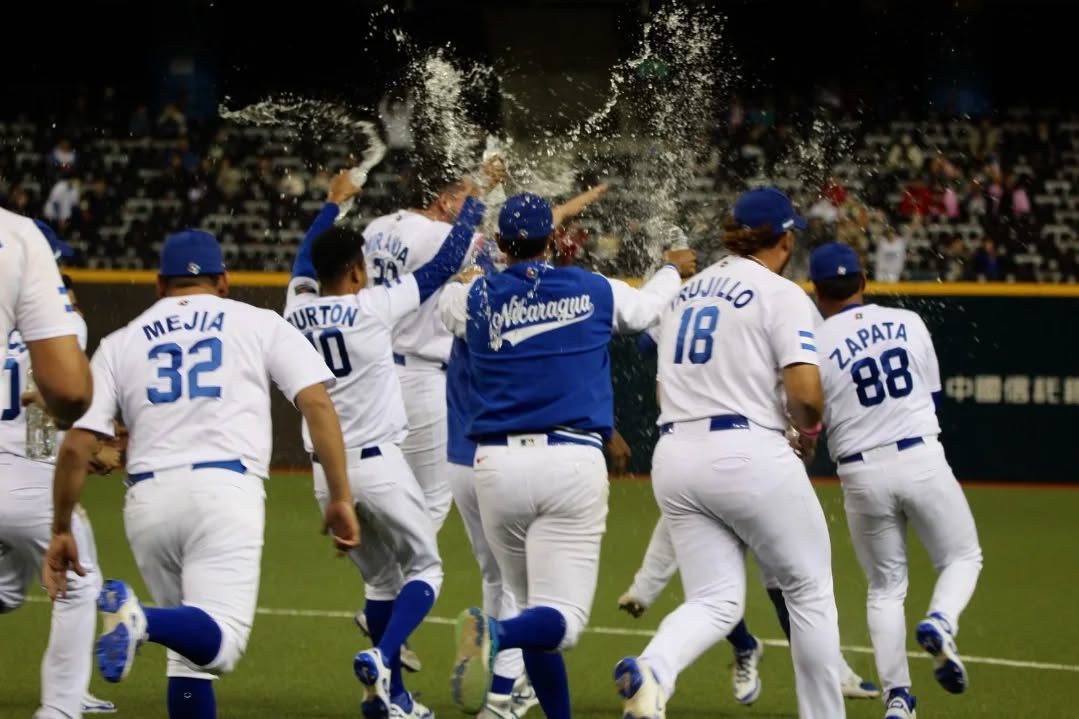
(864, 338)
(201, 321)
(718, 287)
(391, 245)
(326, 315)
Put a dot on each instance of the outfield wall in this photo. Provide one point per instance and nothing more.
(1009, 356)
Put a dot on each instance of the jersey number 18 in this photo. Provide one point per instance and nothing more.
(700, 341)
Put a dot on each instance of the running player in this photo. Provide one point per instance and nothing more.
(352, 326)
(724, 475)
(25, 517)
(537, 337)
(190, 377)
(881, 386)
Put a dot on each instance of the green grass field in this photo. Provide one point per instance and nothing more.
(1019, 634)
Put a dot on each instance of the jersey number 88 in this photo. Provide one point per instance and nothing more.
(897, 380)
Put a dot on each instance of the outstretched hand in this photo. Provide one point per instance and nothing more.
(61, 556)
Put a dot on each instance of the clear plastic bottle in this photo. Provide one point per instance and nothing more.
(40, 428)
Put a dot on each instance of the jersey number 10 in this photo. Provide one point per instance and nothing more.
(329, 341)
(700, 342)
(897, 380)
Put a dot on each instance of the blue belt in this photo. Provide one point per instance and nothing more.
(400, 359)
(719, 423)
(232, 465)
(900, 445)
(554, 436)
(365, 453)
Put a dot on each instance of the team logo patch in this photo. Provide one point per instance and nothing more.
(183, 303)
(193, 269)
(858, 316)
(531, 273)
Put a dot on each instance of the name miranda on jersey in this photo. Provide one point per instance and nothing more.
(391, 245)
(537, 318)
(201, 321)
(720, 287)
(868, 337)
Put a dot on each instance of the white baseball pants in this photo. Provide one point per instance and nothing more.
(498, 601)
(424, 389)
(397, 538)
(882, 493)
(725, 491)
(25, 532)
(544, 512)
(197, 538)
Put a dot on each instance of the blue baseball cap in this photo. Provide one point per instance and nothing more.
(833, 259)
(59, 247)
(767, 206)
(189, 253)
(526, 217)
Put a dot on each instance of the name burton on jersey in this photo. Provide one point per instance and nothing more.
(866, 337)
(199, 321)
(322, 315)
(716, 287)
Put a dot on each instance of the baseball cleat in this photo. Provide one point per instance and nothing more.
(409, 659)
(631, 605)
(499, 706)
(854, 687)
(524, 696)
(745, 679)
(473, 670)
(371, 670)
(93, 705)
(642, 696)
(123, 629)
(404, 706)
(900, 705)
(934, 637)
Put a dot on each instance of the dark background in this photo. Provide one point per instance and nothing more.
(894, 56)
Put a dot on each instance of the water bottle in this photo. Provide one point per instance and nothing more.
(371, 156)
(40, 428)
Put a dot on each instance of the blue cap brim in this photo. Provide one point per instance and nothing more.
(62, 249)
(800, 223)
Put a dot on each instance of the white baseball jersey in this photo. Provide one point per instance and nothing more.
(13, 384)
(725, 340)
(32, 294)
(396, 245)
(353, 334)
(879, 370)
(191, 378)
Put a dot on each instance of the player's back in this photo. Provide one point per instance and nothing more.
(725, 340)
(191, 376)
(879, 370)
(353, 336)
(395, 245)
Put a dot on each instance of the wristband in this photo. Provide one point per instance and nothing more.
(811, 432)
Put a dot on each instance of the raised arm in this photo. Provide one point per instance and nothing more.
(341, 189)
(636, 310)
(447, 261)
(571, 208)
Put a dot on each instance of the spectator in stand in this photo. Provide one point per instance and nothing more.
(320, 183)
(230, 180)
(292, 185)
(983, 140)
(824, 210)
(949, 203)
(976, 202)
(62, 202)
(1020, 197)
(835, 191)
(172, 122)
(63, 157)
(986, 265)
(1043, 150)
(953, 260)
(994, 194)
(906, 156)
(917, 199)
(891, 256)
(138, 126)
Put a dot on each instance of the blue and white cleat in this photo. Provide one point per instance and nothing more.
(900, 705)
(854, 687)
(93, 705)
(642, 696)
(371, 670)
(404, 706)
(473, 670)
(409, 659)
(935, 637)
(745, 678)
(523, 696)
(123, 629)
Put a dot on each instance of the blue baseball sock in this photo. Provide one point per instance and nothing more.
(187, 630)
(547, 671)
(413, 603)
(741, 639)
(776, 595)
(378, 613)
(502, 685)
(538, 628)
(191, 698)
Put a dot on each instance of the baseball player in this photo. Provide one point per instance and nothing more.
(33, 299)
(537, 337)
(723, 473)
(25, 516)
(395, 245)
(510, 695)
(881, 387)
(190, 377)
(351, 326)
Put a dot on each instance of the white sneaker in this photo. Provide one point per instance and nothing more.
(524, 696)
(643, 697)
(900, 705)
(370, 668)
(745, 679)
(93, 705)
(854, 687)
(409, 659)
(416, 711)
(935, 636)
(123, 629)
(498, 706)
